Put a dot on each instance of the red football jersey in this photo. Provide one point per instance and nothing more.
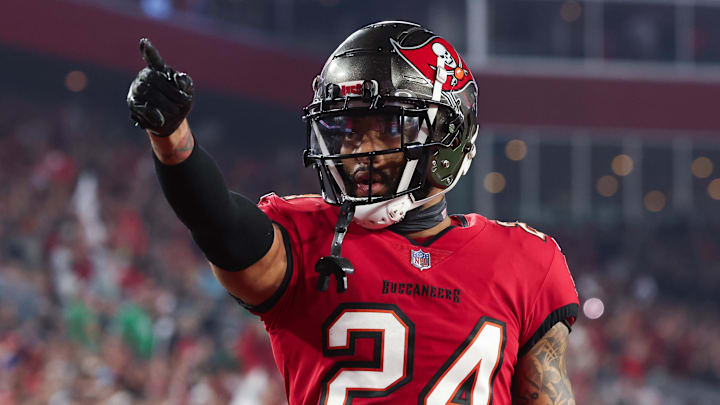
(433, 323)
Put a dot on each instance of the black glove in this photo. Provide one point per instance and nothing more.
(159, 98)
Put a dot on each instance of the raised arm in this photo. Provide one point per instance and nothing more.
(246, 251)
(541, 377)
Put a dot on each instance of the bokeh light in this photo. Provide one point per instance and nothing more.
(76, 81)
(622, 165)
(494, 182)
(714, 189)
(593, 308)
(516, 150)
(702, 167)
(606, 186)
(570, 11)
(654, 201)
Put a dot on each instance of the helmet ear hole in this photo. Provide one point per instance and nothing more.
(453, 139)
(456, 125)
(451, 131)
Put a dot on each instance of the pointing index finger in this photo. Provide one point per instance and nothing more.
(151, 56)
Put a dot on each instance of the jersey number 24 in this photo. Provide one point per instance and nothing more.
(465, 378)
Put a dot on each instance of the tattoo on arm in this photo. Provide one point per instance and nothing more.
(178, 152)
(541, 376)
(183, 149)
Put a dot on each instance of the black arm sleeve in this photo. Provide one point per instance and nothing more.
(231, 230)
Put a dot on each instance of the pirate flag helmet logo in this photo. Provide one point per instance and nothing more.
(424, 59)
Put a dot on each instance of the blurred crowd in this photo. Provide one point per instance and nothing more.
(652, 291)
(103, 297)
(105, 300)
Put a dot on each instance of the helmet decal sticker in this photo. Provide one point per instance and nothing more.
(351, 88)
(424, 59)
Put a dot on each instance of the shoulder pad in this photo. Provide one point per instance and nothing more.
(302, 202)
(525, 227)
(527, 241)
(296, 196)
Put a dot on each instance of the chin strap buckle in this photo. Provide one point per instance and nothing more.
(335, 264)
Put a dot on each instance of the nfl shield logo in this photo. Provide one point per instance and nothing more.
(420, 259)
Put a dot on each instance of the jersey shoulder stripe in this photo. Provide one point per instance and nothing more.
(298, 203)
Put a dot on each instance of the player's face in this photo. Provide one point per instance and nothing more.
(367, 134)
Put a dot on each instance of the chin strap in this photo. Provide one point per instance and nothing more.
(335, 264)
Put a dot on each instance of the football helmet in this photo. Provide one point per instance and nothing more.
(393, 119)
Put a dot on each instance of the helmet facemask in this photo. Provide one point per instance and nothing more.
(373, 152)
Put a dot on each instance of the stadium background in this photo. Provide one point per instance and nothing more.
(600, 127)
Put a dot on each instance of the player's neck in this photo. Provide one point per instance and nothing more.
(426, 233)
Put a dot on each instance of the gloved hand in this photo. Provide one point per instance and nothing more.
(159, 98)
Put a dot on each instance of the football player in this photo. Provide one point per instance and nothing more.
(426, 308)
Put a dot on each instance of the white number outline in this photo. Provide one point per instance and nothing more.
(470, 342)
(378, 354)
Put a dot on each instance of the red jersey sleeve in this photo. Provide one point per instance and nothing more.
(307, 225)
(272, 307)
(556, 301)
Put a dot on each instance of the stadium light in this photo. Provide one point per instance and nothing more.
(593, 308)
(702, 167)
(570, 11)
(622, 165)
(606, 186)
(516, 150)
(714, 189)
(494, 182)
(654, 201)
(76, 81)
